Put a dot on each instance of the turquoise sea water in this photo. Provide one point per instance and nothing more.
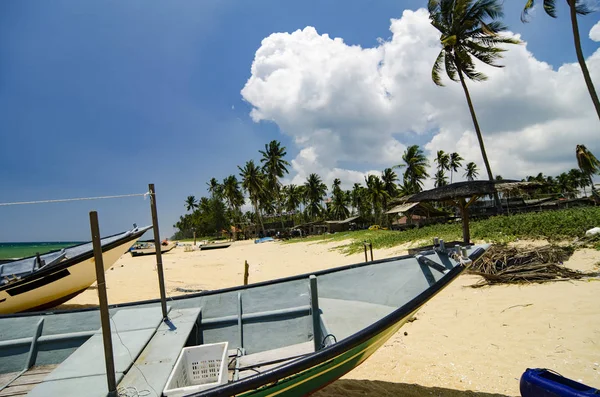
(21, 250)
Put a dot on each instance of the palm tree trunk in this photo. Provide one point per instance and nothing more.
(255, 203)
(478, 132)
(581, 59)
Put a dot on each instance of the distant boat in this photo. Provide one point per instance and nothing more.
(263, 240)
(286, 337)
(214, 246)
(45, 281)
(150, 250)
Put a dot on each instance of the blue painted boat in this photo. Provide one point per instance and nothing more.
(540, 382)
(263, 240)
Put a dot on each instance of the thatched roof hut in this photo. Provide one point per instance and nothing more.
(458, 193)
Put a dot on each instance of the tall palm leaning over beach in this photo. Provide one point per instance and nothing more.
(469, 29)
(472, 171)
(415, 169)
(575, 7)
(587, 162)
(253, 184)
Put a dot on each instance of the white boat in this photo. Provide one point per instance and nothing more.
(45, 281)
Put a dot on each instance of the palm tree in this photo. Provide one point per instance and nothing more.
(377, 194)
(275, 167)
(575, 7)
(314, 190)
(233, 194)
(253, 184)
(416, 168)
(440, 179)
(356, 197)
(472, 171)
(443, 161)
(191, 203)
(339, 202)
(587, 162)
(293, 195)
(455, 163)
(214, 188)
(469, 29)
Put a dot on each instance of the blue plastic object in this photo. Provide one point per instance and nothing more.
(539, 382)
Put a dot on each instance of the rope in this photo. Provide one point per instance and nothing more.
(75, 199)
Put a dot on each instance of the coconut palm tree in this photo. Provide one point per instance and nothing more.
(472, 171)
(356, 197)
(214, 188)
(587, 162)
(191, 203)
(233, 194)
(377, 195)
(293, 197)
(253, 184)
(440, 179)
(338, 206)
(575, 7)
(314, 191)
(415, 164)
(274, 167)
(443, 161)
(455, 163)
(469, 29)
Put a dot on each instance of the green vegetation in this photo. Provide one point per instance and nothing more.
(552, 225)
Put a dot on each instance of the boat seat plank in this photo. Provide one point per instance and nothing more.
(152, 368)
(84, 371)
(290, 352)
(346, 317)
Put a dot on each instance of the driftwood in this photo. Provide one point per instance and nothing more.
(510, 265)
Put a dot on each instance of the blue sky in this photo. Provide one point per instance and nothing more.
(104, 97)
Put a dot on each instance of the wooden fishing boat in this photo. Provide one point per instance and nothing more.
(45, 281)
(214, 246)
(148, 249)
(288, 337)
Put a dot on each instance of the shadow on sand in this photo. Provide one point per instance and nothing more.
(356, 388)
(73, 307)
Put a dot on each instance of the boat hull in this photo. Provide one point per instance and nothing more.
(59, 286)
(319, 376)
(152, 251)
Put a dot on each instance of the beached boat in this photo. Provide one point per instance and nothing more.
(148, 249)
(288, 337)
(45, 281)
(214, 246)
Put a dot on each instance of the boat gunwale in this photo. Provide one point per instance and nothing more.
(330, 352)
(72, 261)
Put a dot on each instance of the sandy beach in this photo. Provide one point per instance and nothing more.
(465, 342)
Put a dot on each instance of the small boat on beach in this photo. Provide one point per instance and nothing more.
(45, 281)
(264, 240)
(148, 248)
(287, 337)
(214, 246)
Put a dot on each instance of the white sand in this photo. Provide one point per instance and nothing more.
(464, 339)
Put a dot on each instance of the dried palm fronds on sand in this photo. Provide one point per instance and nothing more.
(511, 265)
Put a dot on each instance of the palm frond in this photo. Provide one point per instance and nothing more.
(437, 69)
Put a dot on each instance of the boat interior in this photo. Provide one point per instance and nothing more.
(265, 325)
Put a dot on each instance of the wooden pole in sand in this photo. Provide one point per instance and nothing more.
(104, 315)
(246, 272)
(159, 266)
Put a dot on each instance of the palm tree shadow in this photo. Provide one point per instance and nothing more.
(356, 388)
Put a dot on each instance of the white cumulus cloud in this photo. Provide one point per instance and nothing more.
(595, 32)
(344, 104)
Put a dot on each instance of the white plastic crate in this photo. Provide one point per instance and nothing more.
(198, 368)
